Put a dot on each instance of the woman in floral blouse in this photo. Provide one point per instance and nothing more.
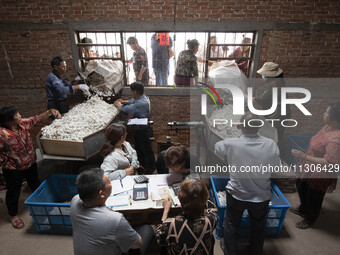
(17, 155)
(186, 68)
(192, 231)
(318, 168)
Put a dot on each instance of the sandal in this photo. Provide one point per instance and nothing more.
(296, 211)
(302, 224)
(18, 224)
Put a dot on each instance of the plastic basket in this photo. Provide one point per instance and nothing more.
(298, 142)
(274, 219)
(49, 205)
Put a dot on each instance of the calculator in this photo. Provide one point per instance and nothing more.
(141, 179)
(140, 191)
(175, 187)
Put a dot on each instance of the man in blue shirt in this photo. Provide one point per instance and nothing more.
(161, 53)
(139, 106)
(57, 89)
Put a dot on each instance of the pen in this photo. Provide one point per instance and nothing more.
(130, 200)
(121, 183)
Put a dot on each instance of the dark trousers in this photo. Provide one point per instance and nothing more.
(146, 233)
(143, 147)
(257, 214)
(13, 180)
(61, 106)
(183, 80)
(310, 201)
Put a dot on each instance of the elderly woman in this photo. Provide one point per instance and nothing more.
(17, 155)
(242, 52)
(192, 231)
(318, 168)
(120, 159)
(186, 68)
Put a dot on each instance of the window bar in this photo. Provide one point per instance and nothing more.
(96, 47)
(207, 57)
(106, 49)
(123, 58)
(225, 35)
(80, 53)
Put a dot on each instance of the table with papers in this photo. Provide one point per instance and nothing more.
(144, 211)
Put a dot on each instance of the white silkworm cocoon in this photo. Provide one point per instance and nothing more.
(225, 127)
(81, 121)
(222, 197)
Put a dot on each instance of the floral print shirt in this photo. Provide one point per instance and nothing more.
(186, 64)
(183, 236)
(16, 149)
(242, 64)
(141, 59)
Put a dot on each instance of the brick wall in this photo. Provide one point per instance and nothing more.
(302, 53)
(317, 11)
(43, 34)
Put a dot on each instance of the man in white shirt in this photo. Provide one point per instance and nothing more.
(97, 229)
(248, 190)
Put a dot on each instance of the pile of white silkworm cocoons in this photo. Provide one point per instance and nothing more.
(81, 121)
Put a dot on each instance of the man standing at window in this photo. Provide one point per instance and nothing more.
(139, 106)
(139, 60)
(57, 89)
(161, 44)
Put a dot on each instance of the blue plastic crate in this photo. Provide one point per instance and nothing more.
(49, 205)
(298, 142)
(274, 219)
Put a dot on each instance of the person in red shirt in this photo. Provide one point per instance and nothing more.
(242, 52)
(318, 168)
(17, 155)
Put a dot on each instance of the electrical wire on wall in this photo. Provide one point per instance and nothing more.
(7, 61)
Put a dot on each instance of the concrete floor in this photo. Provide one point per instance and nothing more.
(322, 238)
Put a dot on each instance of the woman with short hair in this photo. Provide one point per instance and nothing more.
(17, 155)
(318, 168)
(186, 68)
(192, 231)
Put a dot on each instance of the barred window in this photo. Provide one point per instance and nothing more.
(237, 47)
